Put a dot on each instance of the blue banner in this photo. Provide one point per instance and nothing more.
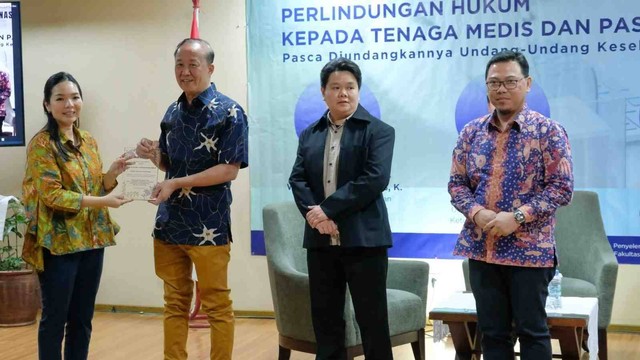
(423, 66)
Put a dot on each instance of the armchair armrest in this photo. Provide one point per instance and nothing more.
(292, 304)
(409, 275)
(606, 286)
(604, 275)
(599, 267)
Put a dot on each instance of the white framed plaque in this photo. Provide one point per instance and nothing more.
(140, 178)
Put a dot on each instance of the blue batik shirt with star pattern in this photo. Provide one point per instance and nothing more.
(211, 130)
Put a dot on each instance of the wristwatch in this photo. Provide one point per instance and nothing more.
(519, 216)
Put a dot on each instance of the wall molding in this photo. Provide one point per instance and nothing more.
(271, 315)
(159, 310)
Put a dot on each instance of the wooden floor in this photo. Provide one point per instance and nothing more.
(139, 336)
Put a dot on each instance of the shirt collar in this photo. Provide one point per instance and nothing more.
(332, 123)
(361, 114)
(76, 132)
(518, 121)
(204, 97)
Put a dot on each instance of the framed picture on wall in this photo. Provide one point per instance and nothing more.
(11, 100)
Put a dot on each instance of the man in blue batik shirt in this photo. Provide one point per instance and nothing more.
(203, 143)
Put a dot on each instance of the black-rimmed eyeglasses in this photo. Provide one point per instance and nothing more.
(508, 84)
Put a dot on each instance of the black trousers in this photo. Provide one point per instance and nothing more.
(69, 285)
(507, 295)
(365, 271)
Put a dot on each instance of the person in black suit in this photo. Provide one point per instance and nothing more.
(342, 167)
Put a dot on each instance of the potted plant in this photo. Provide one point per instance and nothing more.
(19, 296)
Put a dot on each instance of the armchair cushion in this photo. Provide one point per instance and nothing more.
(403, 307)
(578, 288)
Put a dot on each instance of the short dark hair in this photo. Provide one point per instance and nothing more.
(208, 56)
(340, 64)
(509, 55)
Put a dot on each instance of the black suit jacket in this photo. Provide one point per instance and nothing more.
(364, 167)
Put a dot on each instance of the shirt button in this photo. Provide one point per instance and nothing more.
(330, 164)
(329, 181)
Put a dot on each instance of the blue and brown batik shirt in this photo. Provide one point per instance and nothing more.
(211, 130)
(527, 167)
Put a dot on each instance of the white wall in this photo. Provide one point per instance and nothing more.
(121, 53)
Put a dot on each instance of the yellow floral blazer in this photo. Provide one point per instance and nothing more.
(52, 192)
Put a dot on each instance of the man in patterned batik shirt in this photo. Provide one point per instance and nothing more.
(203, 143)
(511, 170)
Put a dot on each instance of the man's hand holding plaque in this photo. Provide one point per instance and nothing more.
(141, 176)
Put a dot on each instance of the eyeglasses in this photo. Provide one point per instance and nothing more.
(508, 84)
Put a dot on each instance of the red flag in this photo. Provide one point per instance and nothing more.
(195, 32)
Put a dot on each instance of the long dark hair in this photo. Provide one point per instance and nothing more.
(52, 125)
